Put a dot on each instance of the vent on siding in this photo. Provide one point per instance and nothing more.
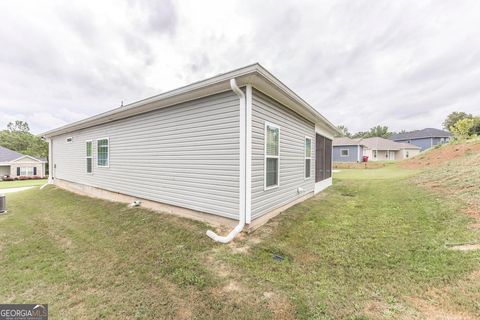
(69, 139)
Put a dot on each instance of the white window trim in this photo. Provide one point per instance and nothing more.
(344, 156)
(108, 155)
(26, 170)
(269, 124)
(92, 157)
(71, 139)
(306, 158)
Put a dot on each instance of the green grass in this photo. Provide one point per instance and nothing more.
(362, 243)
(388, 172)
(360, 250)
(21, 183)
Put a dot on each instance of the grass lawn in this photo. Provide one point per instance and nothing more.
(389, 171)
(21, 183)
(371, 248)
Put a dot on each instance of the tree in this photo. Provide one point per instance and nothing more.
(360, 134)
(344, 132)
(475, 129)
(378, 131)
(18, 126)
(462, 129)
(453, 118)
(17, 137)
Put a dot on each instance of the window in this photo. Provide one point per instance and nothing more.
(308, 157)
(272, 152)
(344, 153)
(69, 139)
(26, 171)
(102, 152)
(89, 153)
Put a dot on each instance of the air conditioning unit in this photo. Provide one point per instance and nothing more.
(3, 203)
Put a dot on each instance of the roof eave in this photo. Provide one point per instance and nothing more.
(253, 74)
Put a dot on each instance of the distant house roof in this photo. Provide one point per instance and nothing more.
(7, 155)
(376, 143)
(344, 141)
(419, 134)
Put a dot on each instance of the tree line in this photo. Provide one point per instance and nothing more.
(17, 137)
(462, 125)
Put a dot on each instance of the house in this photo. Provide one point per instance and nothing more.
(380, 149)
(234, 149)
(347, 150)
(16, 165)
(425, 138)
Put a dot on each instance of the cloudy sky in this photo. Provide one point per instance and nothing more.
(404, 64)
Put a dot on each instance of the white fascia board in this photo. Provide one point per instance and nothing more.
(27, 156)
(254, 74)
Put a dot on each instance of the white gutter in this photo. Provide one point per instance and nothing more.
(50, 164)
(243, 157)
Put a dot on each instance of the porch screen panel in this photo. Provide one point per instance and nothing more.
(319, 157)
(328, 159)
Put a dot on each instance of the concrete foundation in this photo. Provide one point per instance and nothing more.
(211, 219)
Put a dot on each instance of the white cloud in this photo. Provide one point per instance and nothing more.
(405, 64)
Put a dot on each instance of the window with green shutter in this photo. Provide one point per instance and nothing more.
(89, 154)
(272, 155)
(103, 152)
(308, 157)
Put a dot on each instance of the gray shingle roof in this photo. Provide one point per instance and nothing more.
(344, 141)
(377, 143)
(7, 155)
(419, 134)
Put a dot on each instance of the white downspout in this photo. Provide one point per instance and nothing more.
(50, 164)
(242, 211)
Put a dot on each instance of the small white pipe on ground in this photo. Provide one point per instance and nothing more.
(242, 211)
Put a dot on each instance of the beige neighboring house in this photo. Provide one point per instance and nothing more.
(15, 164)
(380, 149)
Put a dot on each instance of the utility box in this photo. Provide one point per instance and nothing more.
(3, 203)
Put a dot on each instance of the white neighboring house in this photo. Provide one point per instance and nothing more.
(15, 165)
(380, 149)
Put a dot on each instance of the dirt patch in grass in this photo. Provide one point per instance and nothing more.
(440, 155)
(360, 165)
(458, 300)
(465, 247)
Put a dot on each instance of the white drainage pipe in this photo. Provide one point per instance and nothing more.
(242, 211)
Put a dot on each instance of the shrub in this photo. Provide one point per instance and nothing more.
(462, 128)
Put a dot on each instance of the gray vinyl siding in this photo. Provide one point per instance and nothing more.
(352, 153)
(423, 143)
(185, 155)
(293, 129)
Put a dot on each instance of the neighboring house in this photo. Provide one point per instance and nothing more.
(425, 138)
(240, 146)
(14, 164)
(347, 150)
(380, 149)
